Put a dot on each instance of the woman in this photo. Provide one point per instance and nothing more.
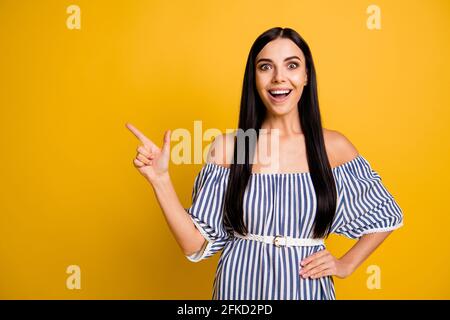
(271, 223)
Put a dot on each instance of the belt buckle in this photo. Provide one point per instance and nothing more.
(275, 240)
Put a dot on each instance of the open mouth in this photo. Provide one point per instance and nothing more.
(279, 95)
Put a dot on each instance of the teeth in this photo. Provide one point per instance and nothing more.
(279, 91)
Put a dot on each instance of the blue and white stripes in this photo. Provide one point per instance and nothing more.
(366, 206)
(284, 204)
(208, 199)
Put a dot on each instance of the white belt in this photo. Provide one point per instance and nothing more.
(282, 240)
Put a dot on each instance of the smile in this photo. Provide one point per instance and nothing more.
(279, 96)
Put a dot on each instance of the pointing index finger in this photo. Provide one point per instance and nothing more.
(146, 141)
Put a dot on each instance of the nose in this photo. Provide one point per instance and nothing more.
(278, 75)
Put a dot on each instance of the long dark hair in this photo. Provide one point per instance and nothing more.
(251, 116)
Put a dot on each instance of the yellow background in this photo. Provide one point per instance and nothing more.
(70, 193)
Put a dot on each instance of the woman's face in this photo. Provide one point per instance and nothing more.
(280, 65)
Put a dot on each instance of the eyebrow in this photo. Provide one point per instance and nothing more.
(268, 60)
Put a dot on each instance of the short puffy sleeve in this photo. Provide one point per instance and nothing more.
(206, 211)
(364, 204)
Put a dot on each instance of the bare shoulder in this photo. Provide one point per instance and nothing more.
(339, 148)
(221, 149)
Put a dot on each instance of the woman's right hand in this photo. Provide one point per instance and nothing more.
(151, 161)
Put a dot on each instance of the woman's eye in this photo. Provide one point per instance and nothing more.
(262, 67)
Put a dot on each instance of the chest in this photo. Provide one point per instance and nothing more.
(280, 155)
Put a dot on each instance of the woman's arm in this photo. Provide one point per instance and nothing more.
(362, 249)
(153, 163)
(323, 263)
(180, 223)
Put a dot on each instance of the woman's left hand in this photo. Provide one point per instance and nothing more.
(323, 263)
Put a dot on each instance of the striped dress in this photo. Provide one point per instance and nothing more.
(284, 204)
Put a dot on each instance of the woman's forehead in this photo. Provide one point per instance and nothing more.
(279, 49)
